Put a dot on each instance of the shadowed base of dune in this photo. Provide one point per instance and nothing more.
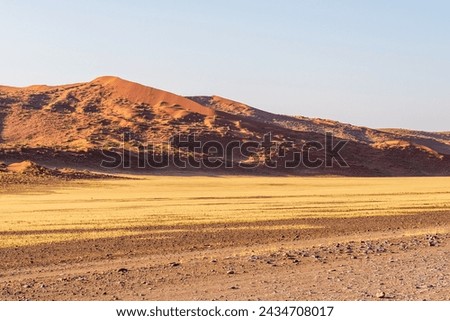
(15, 175)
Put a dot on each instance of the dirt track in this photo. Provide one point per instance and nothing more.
(406, 257)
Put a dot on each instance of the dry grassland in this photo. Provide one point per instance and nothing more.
(110, 208)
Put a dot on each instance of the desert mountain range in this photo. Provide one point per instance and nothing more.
(72, 125)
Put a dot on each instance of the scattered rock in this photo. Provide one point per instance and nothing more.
(174, 264)
(432, 240)
(231, 272)
(380, 294)
(122, 270)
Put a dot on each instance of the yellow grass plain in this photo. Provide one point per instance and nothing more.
(110, 208)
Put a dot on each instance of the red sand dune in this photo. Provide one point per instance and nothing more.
(87, 117)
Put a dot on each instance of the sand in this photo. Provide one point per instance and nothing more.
(71, 123)
(227, 238)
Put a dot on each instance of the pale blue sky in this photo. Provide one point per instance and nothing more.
(374, 63)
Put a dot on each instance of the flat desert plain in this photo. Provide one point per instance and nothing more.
(227, 238)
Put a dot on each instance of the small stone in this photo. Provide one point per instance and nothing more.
(234, 287)
(380, 295)
(122, 270)
(174, 264)
(231, 272)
